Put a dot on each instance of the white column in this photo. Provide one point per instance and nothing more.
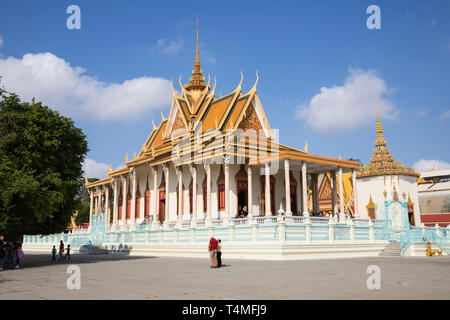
(355, 195)
(154, 201)
(267, 190)
(287, 183)
(180, 193)
(341, 193)
(107, 209)
(99, 200)
(91, 209)
(133, 195)
(227, 189)
(208, 190)
(194, 191)
(116, 200)
(304, 191)
(333, 193)
(124, 199)
(250, 191)
(166, 213)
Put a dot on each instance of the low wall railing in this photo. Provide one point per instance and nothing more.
(261, 228)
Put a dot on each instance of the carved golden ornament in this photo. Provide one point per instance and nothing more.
(250, 120)
(178, 123)
(430, 253)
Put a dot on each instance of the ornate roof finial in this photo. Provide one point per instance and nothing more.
(240, 83)
(126, 158)
(153, 123)
(305, 149)
(162, 115)
(171, 86)
(197, 82)
(181, 85)
(214, 87)
(256, 82)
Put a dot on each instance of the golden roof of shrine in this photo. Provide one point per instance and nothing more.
(382, 162)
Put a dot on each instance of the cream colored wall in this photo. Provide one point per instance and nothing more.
(376, 186)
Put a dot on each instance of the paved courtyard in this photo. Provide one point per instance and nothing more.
(127, 277)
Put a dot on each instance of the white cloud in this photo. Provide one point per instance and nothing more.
(169, 47)
(421, 113)
(445, 114)
(353, 105)
(424, 165)
(94, 169)
(69, 90)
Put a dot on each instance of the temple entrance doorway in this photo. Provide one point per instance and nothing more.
(242, 196)
(162, 205)
(293, 187)
(241, 179)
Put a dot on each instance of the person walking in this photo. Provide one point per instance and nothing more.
(68, 252)
(54, 253)
(213, 252)
(219, 253)
(19, 255)
(61, 250)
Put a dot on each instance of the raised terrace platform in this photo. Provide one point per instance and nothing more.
(263, 238)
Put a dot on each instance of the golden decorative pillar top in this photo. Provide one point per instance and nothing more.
(382, 162)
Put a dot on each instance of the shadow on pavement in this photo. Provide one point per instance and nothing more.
(36, 260)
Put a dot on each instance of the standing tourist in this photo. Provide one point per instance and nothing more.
(213, 252)
(19, 255)
(54, 253)
(68, 252)
(219, 253)
(61, 250)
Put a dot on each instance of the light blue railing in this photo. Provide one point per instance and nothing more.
(423, 235)
(296, 229)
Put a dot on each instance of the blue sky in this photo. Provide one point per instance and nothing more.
(321, 69)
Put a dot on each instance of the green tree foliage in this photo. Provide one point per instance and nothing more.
(41, 156)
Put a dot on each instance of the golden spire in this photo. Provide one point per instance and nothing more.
(380, 142)
(197, 82)
(382, 162)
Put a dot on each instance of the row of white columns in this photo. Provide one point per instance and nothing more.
(207, 167)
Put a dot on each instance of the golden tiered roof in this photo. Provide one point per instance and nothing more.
(382, 162)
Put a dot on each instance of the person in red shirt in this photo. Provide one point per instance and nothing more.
(213, 252)
(61, 250)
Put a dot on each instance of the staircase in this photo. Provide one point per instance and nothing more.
(93, 249)
(392, 250)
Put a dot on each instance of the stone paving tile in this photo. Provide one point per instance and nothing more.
(129, 277)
